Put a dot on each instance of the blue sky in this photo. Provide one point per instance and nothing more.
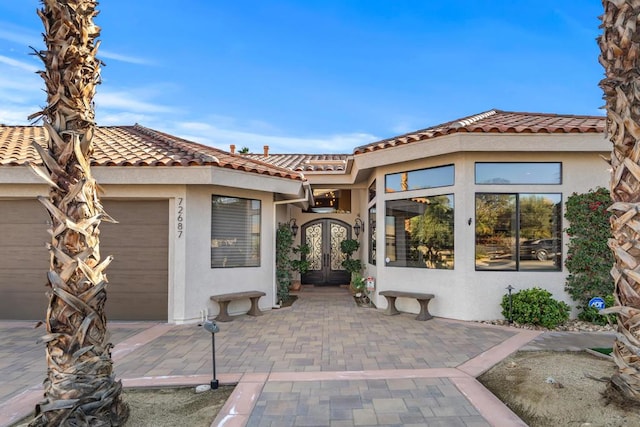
(318, 76)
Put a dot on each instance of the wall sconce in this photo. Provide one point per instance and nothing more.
(294, 227)
(358, 226)
(469, 221)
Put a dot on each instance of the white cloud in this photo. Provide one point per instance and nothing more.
(124, 58)
(18, 64)
(121, 118)
(19, 35)
(130, 102)
(15, 114)
(219, 137)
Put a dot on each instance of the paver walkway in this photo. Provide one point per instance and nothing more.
(322, 362)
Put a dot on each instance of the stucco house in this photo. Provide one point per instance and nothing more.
(461, 210)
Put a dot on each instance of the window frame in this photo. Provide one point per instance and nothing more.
(521, 165)
(250, 243)
(515, 250)
(424, 262)
(425, 187)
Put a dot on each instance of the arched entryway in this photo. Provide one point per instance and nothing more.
(325, 258)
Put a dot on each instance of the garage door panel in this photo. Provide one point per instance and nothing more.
(24, 235)
(23, 212)
(143, 214)
(133, 260)
(147, 307)
(153, 235)
(126, 282)
(23, 255)
(138, 276)
(26, 305)
(23, 280)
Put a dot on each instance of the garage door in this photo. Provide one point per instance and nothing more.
(138, 278)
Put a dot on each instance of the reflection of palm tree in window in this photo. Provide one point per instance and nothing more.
(432, 232)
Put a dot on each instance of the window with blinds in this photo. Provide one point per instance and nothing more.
(235, 232)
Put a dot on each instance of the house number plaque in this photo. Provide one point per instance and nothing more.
(180, 217)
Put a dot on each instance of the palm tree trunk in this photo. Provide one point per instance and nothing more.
(80, 388)
(620, 57)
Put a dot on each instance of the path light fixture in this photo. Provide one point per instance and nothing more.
(293, 226)
(510, 288)
(358, 226)
(213, 328)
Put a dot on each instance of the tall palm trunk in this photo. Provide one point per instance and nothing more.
(620, 57)
(80, 388)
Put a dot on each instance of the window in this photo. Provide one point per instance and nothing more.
(329, 200)
(519, 173)
(235, 232)
(517, 232)
(419, 232)
(372, 235)
(372, 190)
(440, 176)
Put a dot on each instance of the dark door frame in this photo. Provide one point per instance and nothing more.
(325, 275)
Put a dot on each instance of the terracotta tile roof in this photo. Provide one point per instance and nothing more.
(306, 162)
(134, 146)
(497, 121)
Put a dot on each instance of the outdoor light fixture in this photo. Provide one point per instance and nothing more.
(358, 226)
(510, 288)
(212, 327)
(294, 227)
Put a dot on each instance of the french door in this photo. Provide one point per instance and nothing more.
(325, 258)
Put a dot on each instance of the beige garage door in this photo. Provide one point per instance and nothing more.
(138, 279)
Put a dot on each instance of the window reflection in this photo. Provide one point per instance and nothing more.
(518, 231)
(519, 173)
(372, 235)
(418, 179)
(419, 232)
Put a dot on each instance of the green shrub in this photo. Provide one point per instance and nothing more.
(591, 314)
(535, 306)
(589, 259)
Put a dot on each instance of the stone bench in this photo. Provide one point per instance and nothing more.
(423, 300)
(224, 299)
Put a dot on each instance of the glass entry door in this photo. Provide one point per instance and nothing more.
(325, 258)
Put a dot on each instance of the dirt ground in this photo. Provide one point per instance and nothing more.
(558, 389)
(172, 407)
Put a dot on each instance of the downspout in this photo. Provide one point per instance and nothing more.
(307, 193)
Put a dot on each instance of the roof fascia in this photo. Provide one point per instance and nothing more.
(484, 142)
(170, 175)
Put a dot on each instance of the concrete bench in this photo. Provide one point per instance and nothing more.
(423, 300)
(224, 299)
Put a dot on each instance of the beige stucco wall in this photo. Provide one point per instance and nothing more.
(191, 280)
(463, 293)
(202, 281)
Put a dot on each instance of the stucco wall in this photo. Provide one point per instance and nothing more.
(463, 293)
(202, 281)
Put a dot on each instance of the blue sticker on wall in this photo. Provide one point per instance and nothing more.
(596, 302)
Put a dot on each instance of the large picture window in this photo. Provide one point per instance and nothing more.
(419, 232)
(235, 232)
(440, 176)
(518, 231)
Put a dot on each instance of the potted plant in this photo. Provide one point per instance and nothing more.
(289, 259)
(352, 265)
(300, 265)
